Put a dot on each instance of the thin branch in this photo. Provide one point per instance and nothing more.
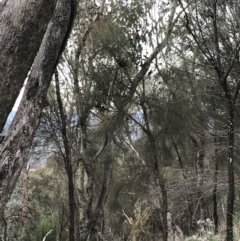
(101, 149)
(49, 232)
(232, 62)
(139, 76)
(138, 123)
(83, 42)
(201, 32)
(216, 41)
(194, 36)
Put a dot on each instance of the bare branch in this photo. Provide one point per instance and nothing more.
(49, 232)
(101, 149)
(210, 57)
(83, 42)
(216, 41)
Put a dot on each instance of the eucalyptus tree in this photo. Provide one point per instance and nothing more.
(125, 47)
(15, 146)
(106, 67)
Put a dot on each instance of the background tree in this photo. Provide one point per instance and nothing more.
(222, 55)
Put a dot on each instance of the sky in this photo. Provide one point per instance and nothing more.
(15, 107)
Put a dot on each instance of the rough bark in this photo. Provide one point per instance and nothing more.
(25, 207)
(14, 150)
(22, 27)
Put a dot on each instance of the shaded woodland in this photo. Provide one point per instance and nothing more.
(135, 110)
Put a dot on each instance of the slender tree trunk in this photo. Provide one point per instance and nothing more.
(215, 180)
(82, 195)
(88, 166)
(5, 227)
(231, 193)
(184, 174)
(164, 198)
(199, 165)
(200, 172)
(161, 182)
(157, 164)
(98, 214)
(71, 198)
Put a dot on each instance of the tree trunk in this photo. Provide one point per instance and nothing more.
(164, 198)
(161, 182)
(14, 150)
(215, 180)
(185, 180)
(88, 166)
(98, 214)
(199, 165)
(231, 193)
(200, 172)
(22, 27)
(157, 164)
(71, 198)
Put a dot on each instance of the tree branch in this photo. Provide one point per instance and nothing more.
(101, 149)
